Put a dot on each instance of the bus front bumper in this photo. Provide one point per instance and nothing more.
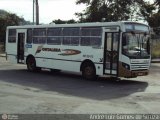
(124, 72)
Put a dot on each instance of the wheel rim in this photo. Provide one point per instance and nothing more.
(88, 71)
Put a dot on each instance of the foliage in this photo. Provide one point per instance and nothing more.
(156, 50)
(157, 3)
(8, 19)
(116, 10)
(147, 10)
(106, 10)
(154, 20)
(2, 12)
(58, 21)
(121, 10)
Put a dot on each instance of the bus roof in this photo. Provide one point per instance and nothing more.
(91, 24)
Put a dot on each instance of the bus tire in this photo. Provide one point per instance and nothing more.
(31, 65)
(89, 71)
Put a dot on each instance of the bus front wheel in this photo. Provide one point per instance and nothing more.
(89, 71)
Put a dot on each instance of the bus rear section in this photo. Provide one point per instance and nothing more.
(15, 45)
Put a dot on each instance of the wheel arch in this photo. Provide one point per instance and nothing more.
(87, 61)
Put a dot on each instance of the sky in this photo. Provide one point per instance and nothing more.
(49, 9)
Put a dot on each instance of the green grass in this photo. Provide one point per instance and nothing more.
(156, 50)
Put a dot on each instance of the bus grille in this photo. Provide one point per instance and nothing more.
(139, 66)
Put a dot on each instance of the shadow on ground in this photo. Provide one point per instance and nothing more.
(73, 84)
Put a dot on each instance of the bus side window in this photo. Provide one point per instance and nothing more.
(91, 36)
(29, 36)
(66, 41)
(75, 41)
(54, 40)
(54, 36)
(85, 41)
(39, 36)
(12, 36)
(71, 36)
(96, 41)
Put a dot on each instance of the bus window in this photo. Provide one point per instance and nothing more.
(66, 41)
(85, 32)
(71, 31)
(54, 36)
(75, 41)
(96, 32)
(115, 41)
(91, 32)
(39, 40)
(39, 36)
(135, 46)
(12, 36)
(71, 41)
(91, 36)
(71, 36)
(54, 40)
(95, 41)
(85, 41)
(54, 32)
(29, 36)
(39, 32)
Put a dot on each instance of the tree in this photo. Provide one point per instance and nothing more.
(106, 10)
(2, 30)
(146, 10)
(157, 3)
(154, 20)
(8, 19)
(151, 13)
(58, 21)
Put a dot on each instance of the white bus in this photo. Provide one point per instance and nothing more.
(113, 49)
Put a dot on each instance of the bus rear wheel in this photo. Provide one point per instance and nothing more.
(89, 72)
(31, 64)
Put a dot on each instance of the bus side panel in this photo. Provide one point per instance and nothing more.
(12, 59)
(61, 57)
(58, 64)
(58, 58)
(99, 69)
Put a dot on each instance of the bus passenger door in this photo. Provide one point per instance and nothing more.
(20, 46)
(111, 53)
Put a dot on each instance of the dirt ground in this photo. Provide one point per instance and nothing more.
(67, 93)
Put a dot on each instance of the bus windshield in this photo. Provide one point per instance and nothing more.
(136, 45)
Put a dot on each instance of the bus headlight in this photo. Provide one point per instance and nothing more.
(126, 66)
